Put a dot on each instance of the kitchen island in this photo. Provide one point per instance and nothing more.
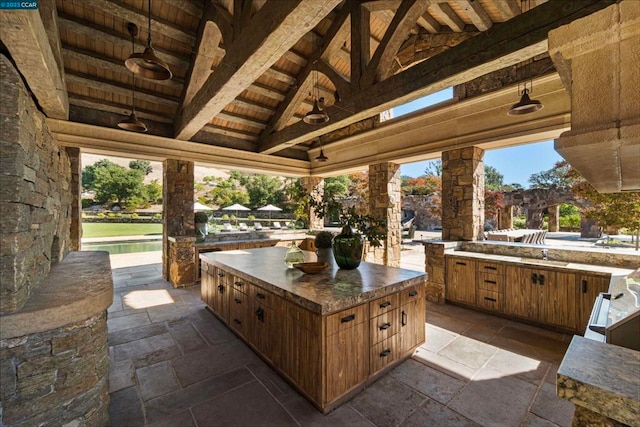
(329, 334)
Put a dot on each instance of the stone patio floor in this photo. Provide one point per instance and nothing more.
(174, 364)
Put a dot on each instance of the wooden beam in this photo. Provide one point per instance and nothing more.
(139, 17)
(335, 37)
(422, 46)
(193, 8)
(110, 64)
(405, 18)
(114, 107)
(119, 88)
(279, 25)
(120, 40)
(106, 120)
(477, 14)
(341, 82)
(230, 132)
(377, 5)
(449, 16)
(506, 44)
(360, 44)
(241, 119)
(280, 76)
(24, 35)
(429, 23)
(252, 105)
(507, 8)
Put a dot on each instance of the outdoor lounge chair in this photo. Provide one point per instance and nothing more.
(243, 227)
(226, 227)
(276, 225)
(257, 226)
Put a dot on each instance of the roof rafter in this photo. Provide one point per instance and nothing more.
(477, 14)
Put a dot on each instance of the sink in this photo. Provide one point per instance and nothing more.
(544, 261)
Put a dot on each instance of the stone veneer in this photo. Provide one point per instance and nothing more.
(462, 194)
(313, 185)
(35, 201)
(182, 268)
(177, 200)
(75, 234)
(385, 202)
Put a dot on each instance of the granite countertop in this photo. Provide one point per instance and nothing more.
(232, 242)
(603, 378)
(327, 292)
(560, 265)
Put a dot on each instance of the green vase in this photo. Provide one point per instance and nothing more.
(347, 249)
(293, 256)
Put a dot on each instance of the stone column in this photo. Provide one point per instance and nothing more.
(505, 218)
(385, 202)
(313, 185)
(177, 205)
(589, 228)
(463, 194)
(597, 58)
(75, 234)
(554, 217)
(534, 218)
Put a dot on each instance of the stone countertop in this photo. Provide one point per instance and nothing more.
(603, 378)
(326, 292)
(206, 244)
(615, 272)
(78, 287)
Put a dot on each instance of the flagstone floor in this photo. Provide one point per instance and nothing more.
(174, 364)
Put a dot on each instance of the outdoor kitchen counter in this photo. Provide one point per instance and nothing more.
(329, 291)
(603, 379)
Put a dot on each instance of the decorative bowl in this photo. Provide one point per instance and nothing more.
(311, 267)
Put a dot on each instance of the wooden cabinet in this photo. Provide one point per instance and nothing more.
(216, 282)
(490, 286)
(412, 318)
(542, 295)
(239, 312)
(461, 280)
(588, 288)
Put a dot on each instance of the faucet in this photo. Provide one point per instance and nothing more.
(545, 253)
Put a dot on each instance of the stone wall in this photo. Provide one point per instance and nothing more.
(384, 202)
(35, 201)
(421, 207)
(177, 200)
(58, 377)
(314, 186)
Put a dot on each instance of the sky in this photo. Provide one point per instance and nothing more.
(516, 164)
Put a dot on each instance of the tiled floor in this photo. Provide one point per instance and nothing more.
(174, 364)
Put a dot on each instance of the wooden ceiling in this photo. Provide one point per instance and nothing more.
(244, 70)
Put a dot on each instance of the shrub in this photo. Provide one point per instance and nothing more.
(324, 239)
(201, 218)
(157, 216)
(570, 221)
(86, 203)
(111, 215)
(134, 215)
(251, 217)
(519, 222)
(100, 215)
(224, 217)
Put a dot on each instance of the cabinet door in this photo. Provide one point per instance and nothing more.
(520, 292)
(461, 280)
(206, 284)
(302, 361)
(219, 294)
(412, 325)
(557, 298)
(589, 286)
(238, 312)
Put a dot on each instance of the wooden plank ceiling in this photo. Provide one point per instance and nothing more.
(277, 49)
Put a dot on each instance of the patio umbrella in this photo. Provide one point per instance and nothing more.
(236, 207)
(197, 206)
(270, 208)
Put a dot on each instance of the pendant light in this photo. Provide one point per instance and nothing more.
(132, 123)
(321, 157)
(147, 64)
(316, 116)
(526, 105)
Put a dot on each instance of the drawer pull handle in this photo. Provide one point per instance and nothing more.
(348, 318)
(237, 321)
(487, 267)
(220, 274)
(584, 286)
(260, 296)
(238, 283)
(385, 326)
(221, 289)
(541, 279)
(413, 293)
(460, 263)
(404, 318)
(493, 282)
(491, 299)
(385, 304)
(385, 353)
(237, 301)
(534, 277)
(260, 314)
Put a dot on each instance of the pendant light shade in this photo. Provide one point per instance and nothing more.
(132, 123)
(321, 157)
(147, 64)
(526, 105)
(316, 116)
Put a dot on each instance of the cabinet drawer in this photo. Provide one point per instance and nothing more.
(266, 298)
(240, 284)
(489, 300)
(238, 311)
(384, 326)
(411, 294)
(221, 276)
(384, 353)
(384, 304)
(491, 282)
(490, 267)
(346, 319)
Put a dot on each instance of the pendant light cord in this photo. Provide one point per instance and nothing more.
(133, 75)
(149, 33)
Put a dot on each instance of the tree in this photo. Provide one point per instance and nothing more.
(336, 187)
(116, 183)
(558, 176)
(422, 186)
(263, 190)
(153, 192)
(512, 187)
(89, 173)
(434, 168)
(226, 193)
(142, 165)
(493, 180)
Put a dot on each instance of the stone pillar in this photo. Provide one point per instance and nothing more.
(463, 194)
(505, 217)
(535, 218)
(313, 185)
(597, 58)
(554, 217)
(385, 202)
(177, 201)
(182, 261)
(75, 234)
(590, 229)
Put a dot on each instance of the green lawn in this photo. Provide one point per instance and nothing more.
(97, 229)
